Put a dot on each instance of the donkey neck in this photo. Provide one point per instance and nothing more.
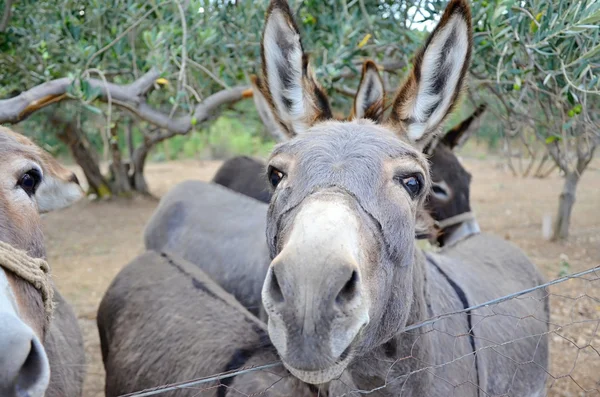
(455, 233)
(388, 360)
(398, 364)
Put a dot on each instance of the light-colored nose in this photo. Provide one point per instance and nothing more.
(24, 368)
(314, 293)
(339, 290)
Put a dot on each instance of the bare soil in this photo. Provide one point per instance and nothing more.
(89, 243)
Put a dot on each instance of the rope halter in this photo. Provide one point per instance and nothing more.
(35, 271)
(455, 220)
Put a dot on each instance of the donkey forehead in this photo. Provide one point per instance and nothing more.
(13, 147)
(446, 165)
(18, 149)
(342, 149)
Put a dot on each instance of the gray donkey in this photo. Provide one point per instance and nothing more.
(347, 293)
(448, 201)
(236, 243)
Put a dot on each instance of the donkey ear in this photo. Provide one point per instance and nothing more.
(370, 96)
(265, 112)
(457, 135)
(437, 78)
(290, 88)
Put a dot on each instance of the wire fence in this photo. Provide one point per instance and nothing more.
(572, 331)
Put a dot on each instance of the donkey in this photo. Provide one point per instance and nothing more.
(448, 200)
(235, 243)
(41, 346)
(244, 175)
(346, 278)
(164, 321)
(347, 293)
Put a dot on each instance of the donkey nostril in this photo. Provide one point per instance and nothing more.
(349, 290)
(275, 289)
(73, 179)
(32, 371)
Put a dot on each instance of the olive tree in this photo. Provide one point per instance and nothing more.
(172, 64)
(541, 61)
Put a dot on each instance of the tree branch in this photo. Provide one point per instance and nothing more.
(6, 15)
(130, 97)
(584, 157)
(386, 66)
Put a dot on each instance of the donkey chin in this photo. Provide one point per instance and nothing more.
(314, 357)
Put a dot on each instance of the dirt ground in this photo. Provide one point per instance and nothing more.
(90, 242)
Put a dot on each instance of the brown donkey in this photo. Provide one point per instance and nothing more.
(41, 347)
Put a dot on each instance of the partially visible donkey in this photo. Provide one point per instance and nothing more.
(41, 346)
(449, 202)
(346, 278)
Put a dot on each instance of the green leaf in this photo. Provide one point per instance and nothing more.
(593, 18)
(92, 109)
(499, 12)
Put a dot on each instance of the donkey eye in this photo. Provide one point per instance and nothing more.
(275, 176)
(413, 184)
(30, 181)
(440, 191)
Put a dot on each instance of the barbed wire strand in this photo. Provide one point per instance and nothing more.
(504, 298)
(195, 382)
(188, 384)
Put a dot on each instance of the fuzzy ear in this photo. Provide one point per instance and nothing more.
(290, 88)
(437, 77)
(457, 135)
(265, 112)
(370, 97)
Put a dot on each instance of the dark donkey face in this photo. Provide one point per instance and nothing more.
(450, 190)
(449, 194)
(347, 198)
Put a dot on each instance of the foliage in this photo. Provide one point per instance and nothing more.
(535, 62)
(542, 60)
(199, 46)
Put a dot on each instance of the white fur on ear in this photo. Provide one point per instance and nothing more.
(266, 114)
(369, 99)
(283, 62)
(436, 81)
(440, 75)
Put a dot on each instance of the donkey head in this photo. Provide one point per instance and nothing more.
(347, 196)
(450, 191)
(31, 181)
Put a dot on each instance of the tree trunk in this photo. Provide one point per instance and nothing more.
(129, 137)
(79, 146)
(565, 206)
(121, 185)
(138, 161)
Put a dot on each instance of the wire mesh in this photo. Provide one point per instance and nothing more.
(572, 333)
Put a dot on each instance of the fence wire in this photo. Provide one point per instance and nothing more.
(573, 333)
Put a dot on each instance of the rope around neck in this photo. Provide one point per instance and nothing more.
(455, 220)
(33, 270)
